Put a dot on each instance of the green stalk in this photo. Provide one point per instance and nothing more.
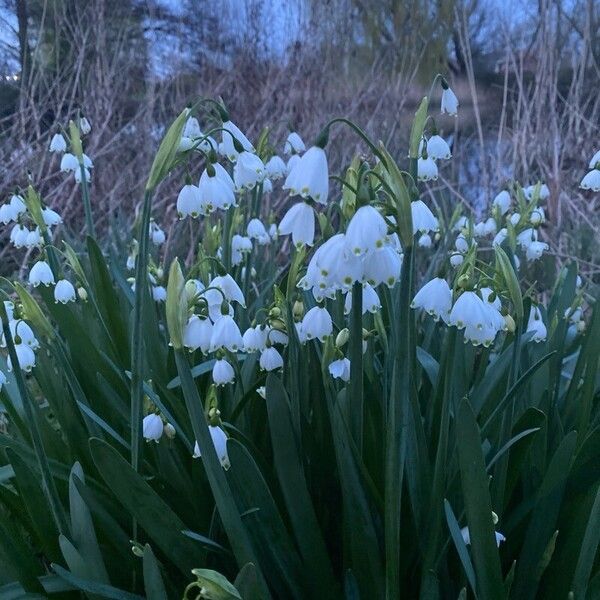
(226, 243)
(87, 206)
(48, 486)
(356, 406)
(228, 511)
(137, 346)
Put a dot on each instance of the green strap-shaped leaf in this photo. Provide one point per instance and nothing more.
(153, 582)
(93, 587)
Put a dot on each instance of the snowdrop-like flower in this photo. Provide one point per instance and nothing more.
(310, 176)
(293, 144)
(500, 237)
(591, 181)
(370, 301)
(293, 160)
(527, 237)
(152, 427)
(382, 266)
(461, 223)
(84, 126)
(437, 148)
(3, 379)
(427, 169)
(17, 205)
(197, 334)
(366, 231)
(216, 191)
(536, 325)
(159, 293)
(275, 167)
(219, 440)
(435, 298)
(226, 334)
(78, 175)
(69, 163)
(299, 221)
(64, 291)
(157, 235)
(490, 227)
(222, 373)
(51, 217)
(267, 186)
(449, 102)
(41, 273)
(456, 259)
(424, 241)
(270, 359)
(317, 324)
(423, 219)
(262, 392)
(340, 369)
(231, 290)
(467, 536)
(594, 160)
(502, 201)
(535, 250)
(231, 132)
(58, 143)
(255, 338)
(33, 238)
(240, 245)
(473, 315)
(248, 171)
(20, 329)
(256, 231)
(7, 214)
(25, 358)
(189, 202)
(461, 244)
(538, 216)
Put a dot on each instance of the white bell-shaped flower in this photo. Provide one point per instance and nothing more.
(217, 191)
(228, 147)
(20, 331)
(449, 102)
(293, 144)
(240, 245)
(383, 266)
(456, 259)
(255, 339)
(276, 167)
(535, 250)
(84, 126)
(189, 202)
(152, 427)
(270, 359)
(538, 216)
(536, 325)
(51, 217)
(197, 334)
(500, 237)
(370, 301)
(34, 238)
(69, 163)
(7, 214)
(3, 379)
(474, 316)
(427, 169)
(257, 231)
(435, 298)
(340, 369)
(591, 181)
(64, 291)
(423, 219)
(25, 358)
(467, 536)
(157, 235)
(231, 290)
(293, 160)
(502, 201)
(58, 143)
(219, 440)
(159, 293)
(41, 273)
(310, 176)
(248, 171)
(594, 160)
(222, 372)
(527, 237)
(425, 241)
(226, 334)
(317, 324)
(299, 221)
(438, 148)
(366, 231)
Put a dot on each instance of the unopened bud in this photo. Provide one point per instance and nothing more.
(510, 324)
(463, 281)
(275, 312)
(169, 431)
(342, 338)
(298, 310)
(82, 293)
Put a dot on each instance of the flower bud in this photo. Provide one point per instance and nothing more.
(342, 338)
(510, 323)
(298, 309)
(82, 293)
(169, 431)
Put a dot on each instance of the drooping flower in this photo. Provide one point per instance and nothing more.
(255, 339)
(502, 201)
(257, 231)
(69, 163)
(219, 440)
(317, 324)
(340, 369)
(536, 325)
(159, 293)
(427, 169)
(474, 315)
(152, 427)
(231, 132)
(270, 359)
(226, 334)
(240, 245)
(275, 167)
(3, 379)
(25, 358)
(370, 301)
(299, 221)
(64, 291)
(594, 160)
(41, 273)
(591, 181)
(425, 241)
(248, 171)
(366, 231)
(383, 266)
(197, 334)
(157, 235)
(435, 298)
(535, 249)
(51, 217)
(310, 176)
(449, 102)
(423, 219)
(293, 144)
(222, 372)
(189, 202)
(216, 191)
(231, 290)
(58, 143)
(467, 536)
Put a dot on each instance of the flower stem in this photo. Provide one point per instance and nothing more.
(87, 205)
(356, 366)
